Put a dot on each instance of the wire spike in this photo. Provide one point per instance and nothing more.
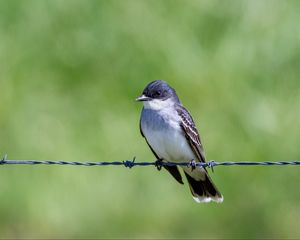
(128, 163)
(211, 165)
(4, 159)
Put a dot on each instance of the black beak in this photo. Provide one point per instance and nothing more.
(142, 98)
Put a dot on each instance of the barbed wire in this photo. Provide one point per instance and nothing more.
(158, 163)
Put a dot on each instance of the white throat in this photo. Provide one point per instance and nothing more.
(158, 104)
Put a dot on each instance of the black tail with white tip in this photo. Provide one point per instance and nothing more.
(204, 190)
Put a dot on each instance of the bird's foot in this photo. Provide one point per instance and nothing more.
(193, 164)
(158, 164)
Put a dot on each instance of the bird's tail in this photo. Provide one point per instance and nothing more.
(204, 190)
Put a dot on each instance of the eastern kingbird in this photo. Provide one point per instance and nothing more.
(172, 136)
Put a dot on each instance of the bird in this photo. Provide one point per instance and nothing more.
(172, 136)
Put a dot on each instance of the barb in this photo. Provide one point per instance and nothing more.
(131, 163)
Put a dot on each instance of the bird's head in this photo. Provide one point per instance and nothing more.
(158, 95)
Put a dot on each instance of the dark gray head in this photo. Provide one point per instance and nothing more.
(158, 89)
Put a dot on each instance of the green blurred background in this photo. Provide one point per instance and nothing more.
(69, 74)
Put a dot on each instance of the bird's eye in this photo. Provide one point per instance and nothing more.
(158, 93)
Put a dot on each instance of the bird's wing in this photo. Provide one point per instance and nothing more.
(191, 133)
(173, 170)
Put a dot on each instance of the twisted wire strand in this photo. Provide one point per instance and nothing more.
(158, 163)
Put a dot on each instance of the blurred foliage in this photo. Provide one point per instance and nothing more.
(69, 74)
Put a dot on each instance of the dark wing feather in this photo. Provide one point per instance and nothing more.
(188, 126)
(173, 170)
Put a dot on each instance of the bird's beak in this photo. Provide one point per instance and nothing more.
(142, 98)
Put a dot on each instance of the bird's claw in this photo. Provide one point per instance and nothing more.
(158, 164)
(193, 164)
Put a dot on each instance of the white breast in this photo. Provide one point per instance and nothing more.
(164, 134)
